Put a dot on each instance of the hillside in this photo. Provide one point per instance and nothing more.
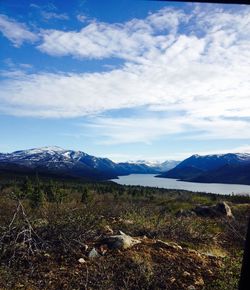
(60, 235)
(220, 168)
(230, 173)
(55, 160)
(58, 161)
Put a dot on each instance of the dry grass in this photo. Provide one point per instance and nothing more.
(61, 232)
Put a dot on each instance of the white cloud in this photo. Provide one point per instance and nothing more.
(52, 15)
(16, 32)
(134, 130)
(174, 155)
(196, 63)
(47, 11)
(149, 129)
(82, 18)
(129, 40)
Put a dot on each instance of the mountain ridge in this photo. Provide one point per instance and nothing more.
(216, 168)
(54, 159)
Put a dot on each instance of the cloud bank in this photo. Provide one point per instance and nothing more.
(130, 40)
(196, 63)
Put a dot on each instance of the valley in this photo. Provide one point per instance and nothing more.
(63, 225)
(231, 168)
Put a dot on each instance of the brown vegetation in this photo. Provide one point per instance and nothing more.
(47, 246)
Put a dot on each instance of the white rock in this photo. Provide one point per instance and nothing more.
(121, 241)
(94, 254)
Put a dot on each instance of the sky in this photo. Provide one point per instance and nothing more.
(127, 80)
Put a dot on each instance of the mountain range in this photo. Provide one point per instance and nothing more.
(217, 168)
(69, 163)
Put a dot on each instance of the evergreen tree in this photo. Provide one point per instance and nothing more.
(51, 190)
(36, 198)
(60, 195)
(120, 191)
(115, 195)
(26, 188)
(85, 195)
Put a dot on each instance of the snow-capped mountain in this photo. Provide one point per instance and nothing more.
(157, 165)
(40, 155)
(212, 168)
(68, 162)
(54, 156)
(227, 168)
(60, 161)
(208, 162)
(167, 165)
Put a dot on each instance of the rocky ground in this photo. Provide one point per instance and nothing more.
(172, 240)
(150, 264)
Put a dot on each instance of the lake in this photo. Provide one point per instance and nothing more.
(151, 180)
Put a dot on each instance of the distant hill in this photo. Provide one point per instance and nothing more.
(186, 172)
(230, 173)
(224, 168)
(61, 162)
(126, 168)
(156, 165)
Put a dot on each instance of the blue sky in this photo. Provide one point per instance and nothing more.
(126, 80)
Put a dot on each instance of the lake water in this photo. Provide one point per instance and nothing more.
(151, 180)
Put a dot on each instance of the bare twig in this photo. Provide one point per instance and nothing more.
(14, 236)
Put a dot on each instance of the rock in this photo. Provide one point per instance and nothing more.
(81, 261)
(121, 241)
(94, 254)
(191, 287)
(220, 209)
(185, 213)
(224, 209)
